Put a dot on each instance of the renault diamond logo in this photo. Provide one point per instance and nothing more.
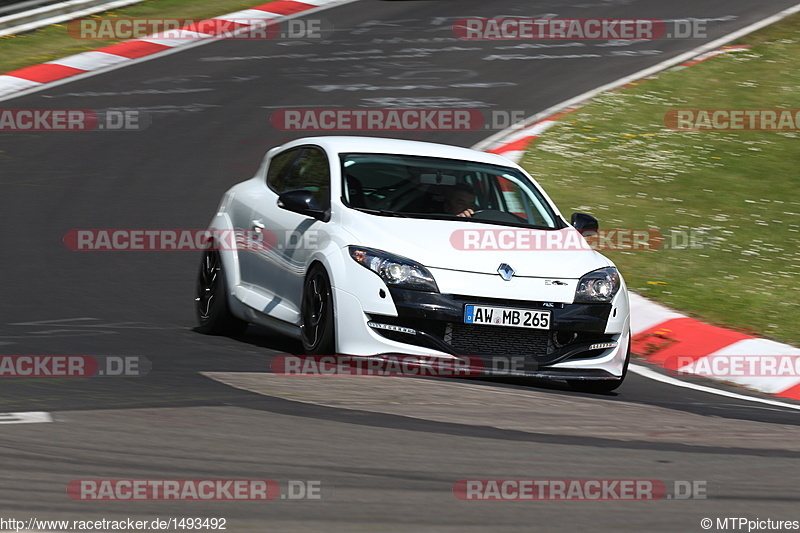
(505, 271)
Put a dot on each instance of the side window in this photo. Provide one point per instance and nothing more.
(278, 167)
(310, 171)
(301, 168)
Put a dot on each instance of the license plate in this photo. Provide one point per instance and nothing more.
(506, 316)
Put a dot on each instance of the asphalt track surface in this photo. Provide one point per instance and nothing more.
(386, 452)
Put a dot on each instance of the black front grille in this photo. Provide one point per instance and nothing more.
(469, 339)
(535, 347)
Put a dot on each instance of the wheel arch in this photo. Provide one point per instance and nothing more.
(229, 257)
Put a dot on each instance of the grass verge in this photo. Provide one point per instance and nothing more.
(53, 42)
(616, 159)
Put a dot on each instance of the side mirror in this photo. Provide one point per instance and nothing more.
(302, 201)
(586, 224)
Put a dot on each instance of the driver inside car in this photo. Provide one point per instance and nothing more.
(459, 200)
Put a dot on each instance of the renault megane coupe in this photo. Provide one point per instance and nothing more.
(365, 246)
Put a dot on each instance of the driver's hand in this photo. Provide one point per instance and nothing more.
(466, 213)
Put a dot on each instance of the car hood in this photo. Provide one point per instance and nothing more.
(476, 247)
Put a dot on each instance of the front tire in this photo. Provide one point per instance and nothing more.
(317, 312)
(211, 299)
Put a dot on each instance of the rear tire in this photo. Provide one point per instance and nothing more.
(317, 313)
(211, 300)
(606, 385)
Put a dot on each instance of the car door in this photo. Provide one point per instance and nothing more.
(280, 269)
(254, 239)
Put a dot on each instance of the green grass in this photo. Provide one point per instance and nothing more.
(615, 159)
(53, 42)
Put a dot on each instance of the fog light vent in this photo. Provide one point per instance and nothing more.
(399, 329)
(603, 345)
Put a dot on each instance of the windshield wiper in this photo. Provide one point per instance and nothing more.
(382, 212)
(520, 224)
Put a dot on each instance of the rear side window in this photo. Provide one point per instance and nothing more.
(302, 168)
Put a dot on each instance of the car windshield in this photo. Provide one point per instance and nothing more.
(427, 187)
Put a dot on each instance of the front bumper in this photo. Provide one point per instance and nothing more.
(577, 346)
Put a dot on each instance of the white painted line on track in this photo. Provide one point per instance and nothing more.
(652, 374)
(29, 417)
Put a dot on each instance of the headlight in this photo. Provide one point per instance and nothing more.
(394, 270)
(598, 286)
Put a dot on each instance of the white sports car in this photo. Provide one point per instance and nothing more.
(366, 246)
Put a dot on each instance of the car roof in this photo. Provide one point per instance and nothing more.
(381, 145)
